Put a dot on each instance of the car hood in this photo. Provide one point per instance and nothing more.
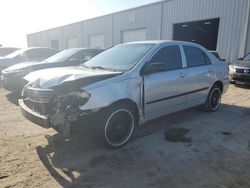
(19, 66)
(4, 61)
(7, 62)
(53, 77)
(242, 64)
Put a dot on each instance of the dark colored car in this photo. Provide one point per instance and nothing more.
(28, 54)
(239, 71)
(69, 57)
(7, 50)
(216, 54)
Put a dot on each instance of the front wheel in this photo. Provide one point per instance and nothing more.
(118, 126)
(213, 99)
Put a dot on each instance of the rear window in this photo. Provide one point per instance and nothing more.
(195, 56)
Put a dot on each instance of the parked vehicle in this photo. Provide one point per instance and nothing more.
(7, 50)
(239, 71)
(123, 87)
(216, 54)
(24, 55)
(69, 57)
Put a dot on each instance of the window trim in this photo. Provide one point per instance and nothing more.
(204, 54)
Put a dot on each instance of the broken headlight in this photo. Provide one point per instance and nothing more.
(83, 97)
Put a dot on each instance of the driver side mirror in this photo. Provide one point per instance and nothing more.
(153, 67)
(240, 59)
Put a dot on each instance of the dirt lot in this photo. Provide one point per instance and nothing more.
(189, 149)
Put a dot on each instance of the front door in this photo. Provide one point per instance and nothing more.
(164, 90)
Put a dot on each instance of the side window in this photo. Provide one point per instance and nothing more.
(33, 53)
(170, 56)
(84, 56)
(40, 53)
(194, 56)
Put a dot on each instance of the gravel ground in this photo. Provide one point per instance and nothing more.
(189, 149)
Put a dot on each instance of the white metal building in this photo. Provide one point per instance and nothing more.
(222, 25)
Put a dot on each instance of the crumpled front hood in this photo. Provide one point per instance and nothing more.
(245, 64)
(49, 78)
(20, 66)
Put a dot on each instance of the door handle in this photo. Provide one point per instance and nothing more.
(182, 74)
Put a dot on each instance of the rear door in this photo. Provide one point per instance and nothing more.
(163, 90)
(199, 74)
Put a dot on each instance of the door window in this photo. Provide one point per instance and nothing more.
(170, 56)
(194, 56)
(40, 53)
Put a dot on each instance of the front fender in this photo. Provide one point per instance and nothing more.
(105, 95)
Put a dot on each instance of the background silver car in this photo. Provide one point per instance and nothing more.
(125, 86)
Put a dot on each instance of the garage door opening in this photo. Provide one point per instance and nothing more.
(72, 43)
(134, 35)
(203, 32)
(96, 41)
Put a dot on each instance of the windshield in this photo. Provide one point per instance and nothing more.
(120, 58)
(16, 53)
(247, 57)
(61, 56)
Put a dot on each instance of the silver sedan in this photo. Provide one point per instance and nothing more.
(124, 87)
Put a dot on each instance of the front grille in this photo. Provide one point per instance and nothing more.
(41, 108)
(38, 95)
(242, 78)
(242, 71)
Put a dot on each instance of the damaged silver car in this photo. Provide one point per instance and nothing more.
(124, 87)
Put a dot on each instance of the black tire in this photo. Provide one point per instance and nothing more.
(108, 130)
(212, 103)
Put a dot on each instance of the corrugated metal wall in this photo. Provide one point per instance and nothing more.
(232, 14)
(96, 26)
(247, 50)
(158, 19)
(71, 31)
(145, 17)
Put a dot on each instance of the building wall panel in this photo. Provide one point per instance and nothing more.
(98, 26)
(232, 14)
(72, 31)
(158, 20)
(147, 17)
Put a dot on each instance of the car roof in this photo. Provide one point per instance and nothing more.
(164, 42)
(9, 48)
(98, 49)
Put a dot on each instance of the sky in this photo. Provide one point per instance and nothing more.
(21, 17)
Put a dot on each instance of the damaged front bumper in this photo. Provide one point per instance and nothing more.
(33, 116)
(60, 121)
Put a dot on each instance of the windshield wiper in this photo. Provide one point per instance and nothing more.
(103, 68)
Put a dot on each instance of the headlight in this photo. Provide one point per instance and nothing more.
(83, 97)
(231, 69)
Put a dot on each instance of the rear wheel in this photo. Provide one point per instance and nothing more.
(213, 99)
(118, 126)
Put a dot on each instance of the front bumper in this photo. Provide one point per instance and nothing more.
(33, 116)
(240, 78)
